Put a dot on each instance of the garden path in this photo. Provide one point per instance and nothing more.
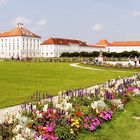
(89, 68)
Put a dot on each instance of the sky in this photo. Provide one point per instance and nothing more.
(87, 20)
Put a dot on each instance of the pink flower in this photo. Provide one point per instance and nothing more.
(92, 127)
(49, 129)
(44, 136)
(40, 127)
(86, 119)
(85, 125)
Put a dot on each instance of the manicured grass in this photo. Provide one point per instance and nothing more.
(122, 126)
(19, 80)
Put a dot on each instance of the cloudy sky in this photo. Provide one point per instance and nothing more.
(89, 20)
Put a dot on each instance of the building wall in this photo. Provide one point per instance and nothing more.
(123, 48)
(30, 47)
(19, 46)
(57, 50)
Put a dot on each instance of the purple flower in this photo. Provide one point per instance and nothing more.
(131, 88)
(96, 122)
(44, 136)
(92, 127)
(85, 125)
(49, 129)
(86, 119)
(47, 116)
(53, 138)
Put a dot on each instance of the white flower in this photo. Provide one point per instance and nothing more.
(71, 131)
(10, 121)
(94, 105)
(137, 92)
(59, 106)
(98, 105)
(54, 111)
(37, 112)
(118, 103)
(67, 106)
(34, 107)
(45, 107)
(39, 115)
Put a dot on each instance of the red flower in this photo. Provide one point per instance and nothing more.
(79, 114)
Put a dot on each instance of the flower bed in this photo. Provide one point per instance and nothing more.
(77, 111)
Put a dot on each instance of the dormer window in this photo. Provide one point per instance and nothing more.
(20, 25)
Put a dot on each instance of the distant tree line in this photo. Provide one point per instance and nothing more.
(96, 54)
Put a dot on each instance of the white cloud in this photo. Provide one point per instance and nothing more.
(38, 25)
(41, 22)
(98, 27)
(21, 20)
(136, 13)
(3, 2)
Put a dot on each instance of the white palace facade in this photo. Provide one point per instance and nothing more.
(54, 47)
(19, 42)
(22, 43)
(119, 46)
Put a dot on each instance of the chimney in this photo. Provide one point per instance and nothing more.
(20, 25)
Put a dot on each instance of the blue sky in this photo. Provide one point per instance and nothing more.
(88, 20)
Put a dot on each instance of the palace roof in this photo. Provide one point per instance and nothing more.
(118, 43)
(125, 43)
(62, 41)
(19, 31)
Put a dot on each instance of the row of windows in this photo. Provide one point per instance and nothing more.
(17, 39)
(65, 48)
(17, 54)
(17, 48)
(125, 49)
(9, 47)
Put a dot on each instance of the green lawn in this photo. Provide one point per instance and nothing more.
(19, 80)
(122, 127)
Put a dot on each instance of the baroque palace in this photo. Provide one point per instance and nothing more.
(22, 43)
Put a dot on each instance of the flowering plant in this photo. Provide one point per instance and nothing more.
(77, 111)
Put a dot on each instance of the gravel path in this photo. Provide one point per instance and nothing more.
(89, 68)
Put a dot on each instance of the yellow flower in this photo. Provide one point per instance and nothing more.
(77, 126)
(72, 120)
(72, 124)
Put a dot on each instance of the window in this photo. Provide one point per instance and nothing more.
(9, 46)
(17, 47)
